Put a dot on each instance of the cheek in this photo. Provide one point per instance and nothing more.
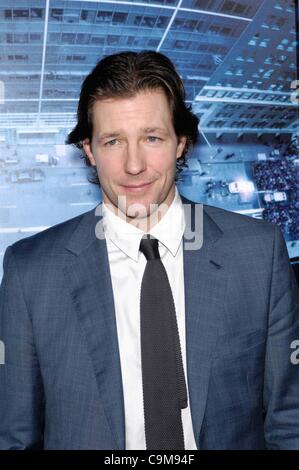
(107, 168)
(163, 161)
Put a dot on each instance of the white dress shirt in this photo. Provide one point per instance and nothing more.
(127, 265)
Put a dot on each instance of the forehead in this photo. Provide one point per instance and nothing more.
(146, 105)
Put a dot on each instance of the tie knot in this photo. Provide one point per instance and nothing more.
(149, 247)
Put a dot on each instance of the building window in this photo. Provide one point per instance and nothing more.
(18, 57)
(35, 37)
(239, 9)
(88, 16)
(36, 13)
(214, 28)
(178, 24)
(79, 58)
(71, 16)
(137, 20)
(20, 14)
(83, 38)
(148, 21)
(130, 40)
(57, 14)
(153, 43)
(190, 25)
(162, 22)
(8, 14)
(179, 44)
(119, 18)
(54, 37)
(21, 38)
(113, 40)
(226, 31)
(201, 26)
(98, 40)
(68, 38)
(104, 17)
(227, 6)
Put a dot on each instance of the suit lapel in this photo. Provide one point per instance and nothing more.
(205, 286)
(88, 277)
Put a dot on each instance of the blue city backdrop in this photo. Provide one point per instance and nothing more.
(238, 60)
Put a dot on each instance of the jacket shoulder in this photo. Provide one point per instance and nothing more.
(230, 221)
(53, 239)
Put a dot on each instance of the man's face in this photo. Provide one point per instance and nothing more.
(135, 148)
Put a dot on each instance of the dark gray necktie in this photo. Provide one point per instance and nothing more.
(164, 386)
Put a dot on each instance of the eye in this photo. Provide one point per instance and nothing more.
(110, 143)
(153, 138)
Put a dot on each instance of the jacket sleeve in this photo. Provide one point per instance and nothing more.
(21, 388)
(281, 380)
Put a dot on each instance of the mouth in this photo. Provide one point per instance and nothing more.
(138, 188)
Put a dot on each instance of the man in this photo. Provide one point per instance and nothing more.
(76, 300)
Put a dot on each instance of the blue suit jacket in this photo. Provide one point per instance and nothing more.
(61, 386)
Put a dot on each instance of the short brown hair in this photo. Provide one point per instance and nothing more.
(125, 74)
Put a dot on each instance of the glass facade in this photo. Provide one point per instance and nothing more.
(238, 63)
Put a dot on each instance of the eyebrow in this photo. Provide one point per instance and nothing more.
(154, 129)
(117, 133)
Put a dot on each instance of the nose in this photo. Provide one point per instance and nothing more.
(135, 159)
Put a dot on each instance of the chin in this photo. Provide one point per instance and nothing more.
(141, 211)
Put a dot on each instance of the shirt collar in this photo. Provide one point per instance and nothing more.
(169, 230)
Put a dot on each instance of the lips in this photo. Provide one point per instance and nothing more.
(138, 188)
(138, 185)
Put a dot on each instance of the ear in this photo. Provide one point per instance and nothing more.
(181, 145)
(87, 149)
